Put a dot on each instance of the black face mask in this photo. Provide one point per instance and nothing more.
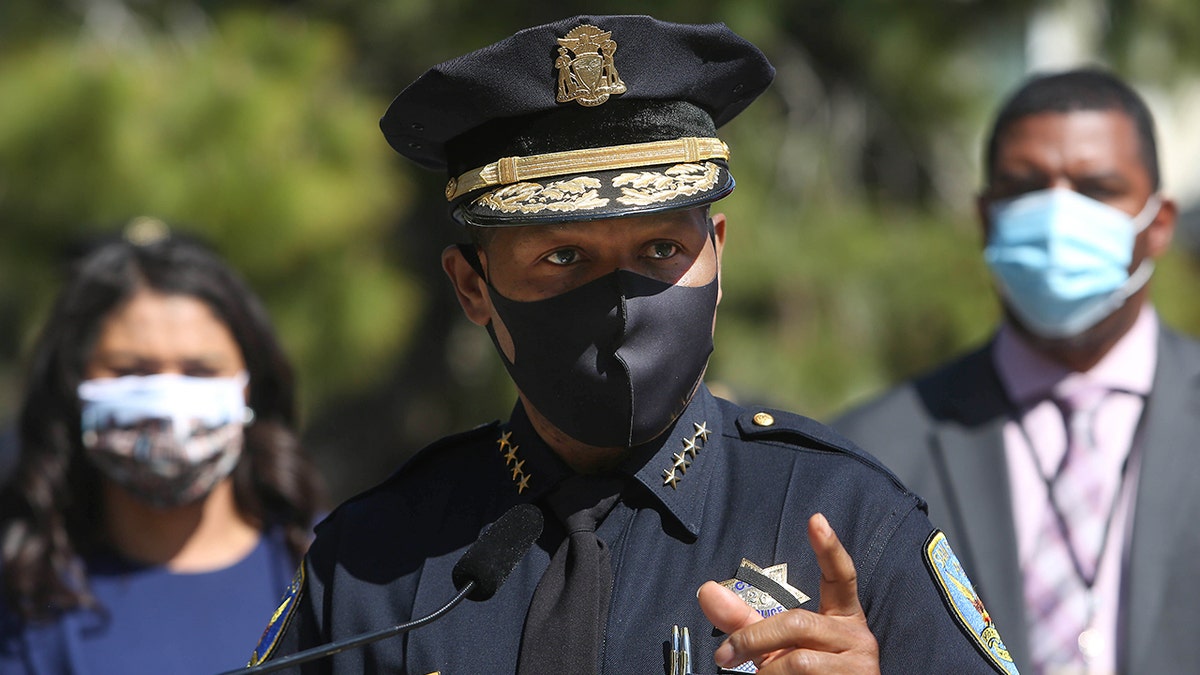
(614, 362)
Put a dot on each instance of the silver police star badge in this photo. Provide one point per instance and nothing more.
(766, 590)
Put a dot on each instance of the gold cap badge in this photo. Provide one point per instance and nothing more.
(586, 72)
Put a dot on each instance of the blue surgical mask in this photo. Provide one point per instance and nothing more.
(1061, 260)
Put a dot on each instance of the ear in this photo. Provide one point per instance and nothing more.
(718, 220)
(1161, 230)
(468, 286)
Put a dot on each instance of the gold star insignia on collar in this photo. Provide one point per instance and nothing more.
(506, 446)
(691, 448)
(682, 462)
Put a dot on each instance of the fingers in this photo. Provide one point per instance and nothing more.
(834, 640)
(839, 580)
(806, 661)
(724, 609)
(757, 640)
(793, 629)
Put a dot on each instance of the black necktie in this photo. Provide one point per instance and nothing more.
(569, 610)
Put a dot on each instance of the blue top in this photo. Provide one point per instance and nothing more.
(154, 620)
(723, 486)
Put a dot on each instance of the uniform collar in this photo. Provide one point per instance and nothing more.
(673, 471)
(677, 467)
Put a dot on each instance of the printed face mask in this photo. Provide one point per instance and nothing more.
(614, 362)
(1061, 260)
(167, 439)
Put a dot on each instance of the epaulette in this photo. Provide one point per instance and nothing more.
(769, 424)
(788, 428)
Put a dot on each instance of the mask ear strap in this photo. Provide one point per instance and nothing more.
(712, 236)
(471, 253)
(1148, 213)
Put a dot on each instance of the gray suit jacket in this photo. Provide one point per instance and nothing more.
(942, 434)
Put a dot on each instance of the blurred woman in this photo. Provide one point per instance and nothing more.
(161, 501)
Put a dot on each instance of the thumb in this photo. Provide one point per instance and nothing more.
(725, 610)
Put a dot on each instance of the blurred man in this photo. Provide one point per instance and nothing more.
(582, 158)
(1061, 457)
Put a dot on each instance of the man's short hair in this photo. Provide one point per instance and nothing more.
(1076, 90)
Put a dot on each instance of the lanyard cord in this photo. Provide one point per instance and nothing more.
(1049, 481)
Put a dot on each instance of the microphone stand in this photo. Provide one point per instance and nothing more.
(342, 645)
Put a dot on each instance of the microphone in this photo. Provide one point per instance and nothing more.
(477, 576)
(496, 553)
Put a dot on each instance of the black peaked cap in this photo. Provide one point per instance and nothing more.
(668, 81)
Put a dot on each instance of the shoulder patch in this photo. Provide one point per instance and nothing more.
(960, 598)
(280, 619)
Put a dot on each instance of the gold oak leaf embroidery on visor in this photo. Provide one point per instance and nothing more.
(652, 187)
(574, 194)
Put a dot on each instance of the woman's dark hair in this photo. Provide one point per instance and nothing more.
(51, 506)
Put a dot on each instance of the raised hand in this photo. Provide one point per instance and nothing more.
(834, 639)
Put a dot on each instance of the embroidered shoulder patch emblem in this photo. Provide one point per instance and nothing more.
(280, 619)
(959, 595)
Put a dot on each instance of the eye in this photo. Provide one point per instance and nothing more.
(563, 256)
(662, 250)
(202, 367)
(1006, 185)
(1101, 193)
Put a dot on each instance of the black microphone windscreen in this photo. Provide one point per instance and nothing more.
(496, 553)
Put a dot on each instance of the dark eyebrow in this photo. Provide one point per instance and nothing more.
(121, 355)
(205, 360)
(1025, 174)
(131, 358)
(1106, 176)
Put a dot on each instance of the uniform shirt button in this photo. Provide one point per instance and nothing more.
(763, 419)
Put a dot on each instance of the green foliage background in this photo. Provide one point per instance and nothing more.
(852, 256)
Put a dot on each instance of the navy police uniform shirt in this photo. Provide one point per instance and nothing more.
(725, 489)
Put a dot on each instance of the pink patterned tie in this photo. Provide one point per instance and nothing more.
(1060, 574)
